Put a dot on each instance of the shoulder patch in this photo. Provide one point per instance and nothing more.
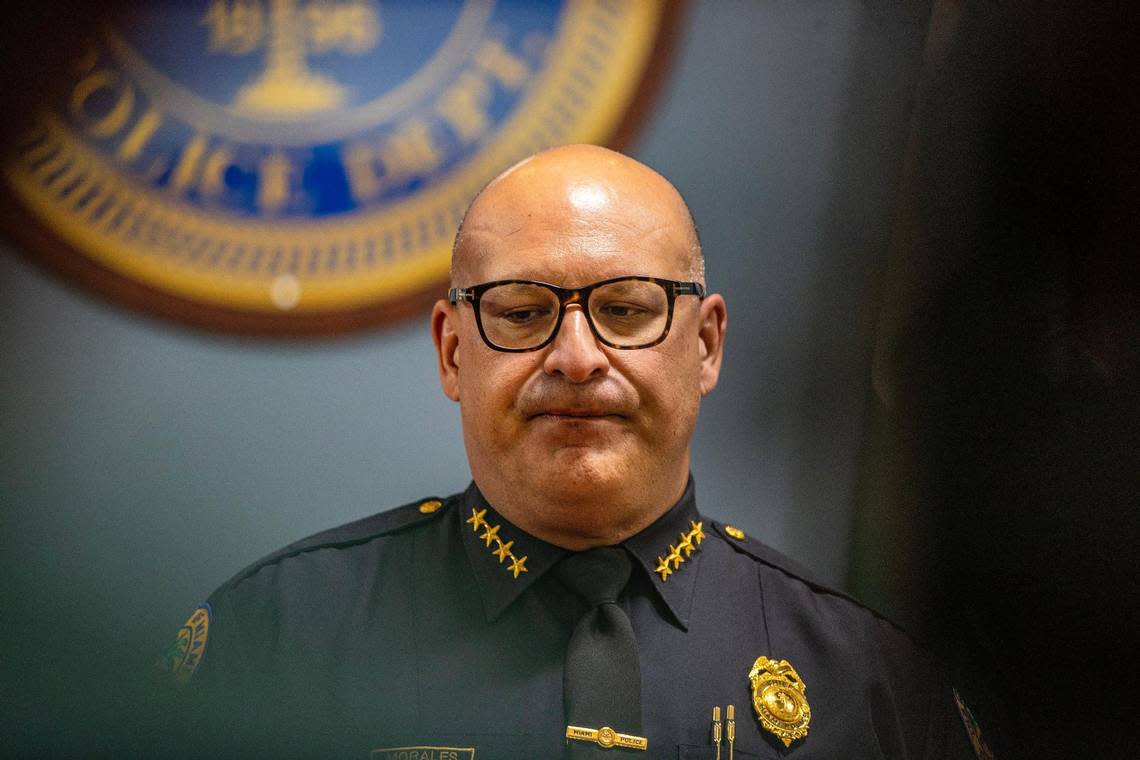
(356, 532)
(185, 654)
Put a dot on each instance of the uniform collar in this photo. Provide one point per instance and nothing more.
(670, 547)
(507, 560)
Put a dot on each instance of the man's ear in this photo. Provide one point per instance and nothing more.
(714, 323)
(446, 340)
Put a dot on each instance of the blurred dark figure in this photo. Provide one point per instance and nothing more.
(1002, 474)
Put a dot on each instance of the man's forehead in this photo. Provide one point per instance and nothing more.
(533, 200)
(578, 212)
(575, 257)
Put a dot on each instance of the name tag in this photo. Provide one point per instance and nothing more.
(423, 753)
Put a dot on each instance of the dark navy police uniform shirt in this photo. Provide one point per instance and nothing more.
(437, 630)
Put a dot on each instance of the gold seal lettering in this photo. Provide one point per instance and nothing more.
(273, 182)
(407, 152)
(140, 134)
(115, 119)
(500, 63)
(464, 106)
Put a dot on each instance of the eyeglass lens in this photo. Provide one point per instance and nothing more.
(624, 313)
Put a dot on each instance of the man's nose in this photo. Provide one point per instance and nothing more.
(575, 353)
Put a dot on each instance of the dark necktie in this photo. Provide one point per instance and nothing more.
(602, 680)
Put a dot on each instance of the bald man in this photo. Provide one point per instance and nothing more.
(573, 601)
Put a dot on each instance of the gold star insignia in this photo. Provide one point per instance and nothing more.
(687, 544)
(698, 532)
(503, 551)
(490, 534)
(476, 520)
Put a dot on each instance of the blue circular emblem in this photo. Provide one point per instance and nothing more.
(292, 166)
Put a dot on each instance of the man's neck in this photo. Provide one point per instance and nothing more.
(583, 520)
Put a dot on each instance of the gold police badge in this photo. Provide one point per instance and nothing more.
(778, 698)
(300, 166)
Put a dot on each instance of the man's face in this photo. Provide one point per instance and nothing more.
(586, 434)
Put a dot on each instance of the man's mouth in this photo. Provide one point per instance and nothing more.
(576, 414)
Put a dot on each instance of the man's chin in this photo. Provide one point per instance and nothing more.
(580, 471)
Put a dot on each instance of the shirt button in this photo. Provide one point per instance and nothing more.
(431, 505)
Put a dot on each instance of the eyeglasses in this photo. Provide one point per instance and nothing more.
(623, 312)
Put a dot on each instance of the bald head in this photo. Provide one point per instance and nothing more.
(583, 193)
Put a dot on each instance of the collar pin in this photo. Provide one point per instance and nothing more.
(501, 549)
(689, 542)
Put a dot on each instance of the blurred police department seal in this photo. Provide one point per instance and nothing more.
(290, 167)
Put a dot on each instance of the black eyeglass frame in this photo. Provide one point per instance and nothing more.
(567, 296)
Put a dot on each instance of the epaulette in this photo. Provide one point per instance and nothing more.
(356, 532)
(744, 544)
